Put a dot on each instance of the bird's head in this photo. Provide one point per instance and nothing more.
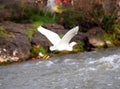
(52, 48)
(72, 44)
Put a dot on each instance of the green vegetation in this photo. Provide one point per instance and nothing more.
(79, 47)
(35, 50)
(98, 12)
(27, 14)
(107, 24)
(107, 21)
(2, 32)
(41, 16)
(117, 30)
(35, 15)
(30, 32)
(109, 37)
(73, 17)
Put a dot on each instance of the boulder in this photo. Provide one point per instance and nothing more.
(14, 46)
(96, 31)
(39, 39)
(55, 27)
(94, 37)
(96, 42)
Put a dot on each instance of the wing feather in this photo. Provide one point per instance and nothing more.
(69, 35)
(51, 36)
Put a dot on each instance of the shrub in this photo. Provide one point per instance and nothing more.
(79, 47)
(34, 51)
(107, 23)
(73, 17)
(109, 37)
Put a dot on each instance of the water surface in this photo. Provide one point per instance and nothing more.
(88, 70)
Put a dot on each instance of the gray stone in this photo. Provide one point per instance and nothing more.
(15, 47)
(96, 42)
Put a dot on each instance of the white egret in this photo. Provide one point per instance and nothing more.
(58, 43)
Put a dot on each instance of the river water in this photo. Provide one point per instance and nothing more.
(88, 70)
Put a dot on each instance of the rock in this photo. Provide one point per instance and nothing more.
(96, 42)
(13, 27)
(93, 36)
(5, 14)
(39, 39)
(96, 31)
(15, 46)
(54, 27)
(109, 43)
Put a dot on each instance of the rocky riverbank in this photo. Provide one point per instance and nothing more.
(15, 44)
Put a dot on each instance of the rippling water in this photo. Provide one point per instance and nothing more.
(88, 70)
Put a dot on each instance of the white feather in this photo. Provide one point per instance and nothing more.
(51, 36)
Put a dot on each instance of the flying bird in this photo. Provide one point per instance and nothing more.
(59, 44)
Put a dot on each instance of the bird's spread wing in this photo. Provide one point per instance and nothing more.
(51, 36)
(69, 35)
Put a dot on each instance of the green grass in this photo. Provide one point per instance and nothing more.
(44, 19)
(80, 47)
(30, 32)
(109, 37)
(27, 14)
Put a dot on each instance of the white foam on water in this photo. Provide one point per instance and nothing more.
(92, 69)
(38, 63)
(49, 63)
(112, 61)
(67, 60)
